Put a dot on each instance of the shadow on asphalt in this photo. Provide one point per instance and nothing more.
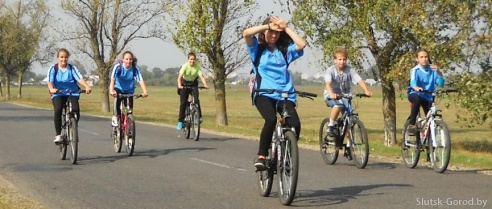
(152, 153)
(338, 195)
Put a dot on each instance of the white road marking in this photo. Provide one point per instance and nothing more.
(218, 164)
(93, 133)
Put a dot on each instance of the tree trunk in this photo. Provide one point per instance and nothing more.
(7, 96)
(19, 88)
(220, 99)
(1, 90)
(104, 86)
(389, 112)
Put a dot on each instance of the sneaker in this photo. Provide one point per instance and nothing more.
(347, 153)
(260, 164)
(179, 126)
(114, 121)
(411, 130)
(331, 131)
(58, 139)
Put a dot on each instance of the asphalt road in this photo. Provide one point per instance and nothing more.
(168, 171)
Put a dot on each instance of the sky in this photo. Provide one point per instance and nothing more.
(154, 52)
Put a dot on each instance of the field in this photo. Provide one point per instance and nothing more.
(472, 147)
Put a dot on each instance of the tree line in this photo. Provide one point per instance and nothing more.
(384, 34)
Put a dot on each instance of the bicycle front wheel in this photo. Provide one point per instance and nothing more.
(73, 138)
(196, 122)
(410, 152)
(328, 145)
(130, 135)
(265, 178)
(288, 168)
(187, 123)
(116, 136)
(359, 144)
(440, 147)
(63, 146)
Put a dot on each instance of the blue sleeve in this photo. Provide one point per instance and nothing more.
(76, 73)
(113, 73)
(253, 50)
(440, 81)
(293, 54)
(51, 74)
(413, 77)
(138, 76)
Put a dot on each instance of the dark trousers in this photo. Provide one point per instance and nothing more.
(183, 101)
(58, 104)
(268, 109)
(118, 101)
(417, 102)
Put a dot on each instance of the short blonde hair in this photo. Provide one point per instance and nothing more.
(340, 51)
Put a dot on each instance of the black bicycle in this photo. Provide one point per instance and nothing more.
(70, 133)
(432, 136)
(283, 155)
(349, 123)
(125, 131)
(191, 123)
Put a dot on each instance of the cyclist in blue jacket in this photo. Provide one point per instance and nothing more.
(424, 76)
(123, 79)
(279, 46)
(64, 76)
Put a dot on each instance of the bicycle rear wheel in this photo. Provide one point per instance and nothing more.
(196, 122)
(73, 139)
(63, 146)
(440, 147)
(360, 144)
(288, 168)
(410, 152)
(130, 135)
(328, 145)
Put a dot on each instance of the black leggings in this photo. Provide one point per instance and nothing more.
(58, 104)
(417, 102)
(183, 101)
(266, 107)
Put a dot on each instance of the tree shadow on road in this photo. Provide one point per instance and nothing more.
(338, 195)
(152, 153)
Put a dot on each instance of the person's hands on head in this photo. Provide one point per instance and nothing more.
(278, 22)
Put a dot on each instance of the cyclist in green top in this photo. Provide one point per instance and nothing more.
(188, 76)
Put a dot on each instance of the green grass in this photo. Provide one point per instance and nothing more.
(472, 147)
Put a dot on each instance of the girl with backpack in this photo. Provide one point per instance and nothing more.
(275, 48)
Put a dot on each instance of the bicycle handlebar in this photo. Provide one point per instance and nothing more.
(129, 95)
(69, 91)
(299, 93)
(349, 96)
(440, 91)
(192, 87)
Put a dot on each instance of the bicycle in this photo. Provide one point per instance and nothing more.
(70, 134)
(126, 126)
(191, 123)
(283, 155)
(432, 137)
(349, 122)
